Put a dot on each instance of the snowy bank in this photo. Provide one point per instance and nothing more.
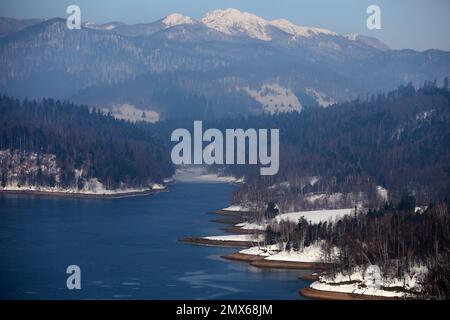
(370, 281)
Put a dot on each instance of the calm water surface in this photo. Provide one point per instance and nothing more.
(127, 249)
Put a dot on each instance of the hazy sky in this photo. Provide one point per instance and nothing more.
(416, 24)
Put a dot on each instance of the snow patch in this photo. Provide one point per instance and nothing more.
(370, 281)
(312, 253)
(382, 193)
(132, 113)
(315, 216)
(275, 98)
(236, 208)
(320, 97)
(299, 31)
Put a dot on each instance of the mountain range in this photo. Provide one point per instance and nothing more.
(229, 62)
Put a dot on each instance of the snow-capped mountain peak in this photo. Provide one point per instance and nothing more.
(234, 22)
(175, 19)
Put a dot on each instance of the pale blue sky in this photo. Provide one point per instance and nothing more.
(416, 24)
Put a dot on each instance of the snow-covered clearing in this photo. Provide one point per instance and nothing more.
(315, 216)
(312, 253)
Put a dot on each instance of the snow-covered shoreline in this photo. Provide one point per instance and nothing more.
(71, 192)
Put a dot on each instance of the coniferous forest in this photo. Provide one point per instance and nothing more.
(82, 140)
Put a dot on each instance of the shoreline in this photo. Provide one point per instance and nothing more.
(63, 194)
(231, 218)
(261, 262)
(217, 243)
(333, 295)
(233, 230)
(242, 257)
(296, 265)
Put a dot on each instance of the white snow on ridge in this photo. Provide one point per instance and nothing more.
(314, 216)
(177, 19)
(299, 31)
(232, 21)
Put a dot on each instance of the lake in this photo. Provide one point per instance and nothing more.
(127, 249)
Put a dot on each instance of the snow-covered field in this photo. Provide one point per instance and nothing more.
(263, 251)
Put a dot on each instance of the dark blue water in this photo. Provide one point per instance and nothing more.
(127, 249)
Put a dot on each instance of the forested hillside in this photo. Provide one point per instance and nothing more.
(51, 143)
(381, 149)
